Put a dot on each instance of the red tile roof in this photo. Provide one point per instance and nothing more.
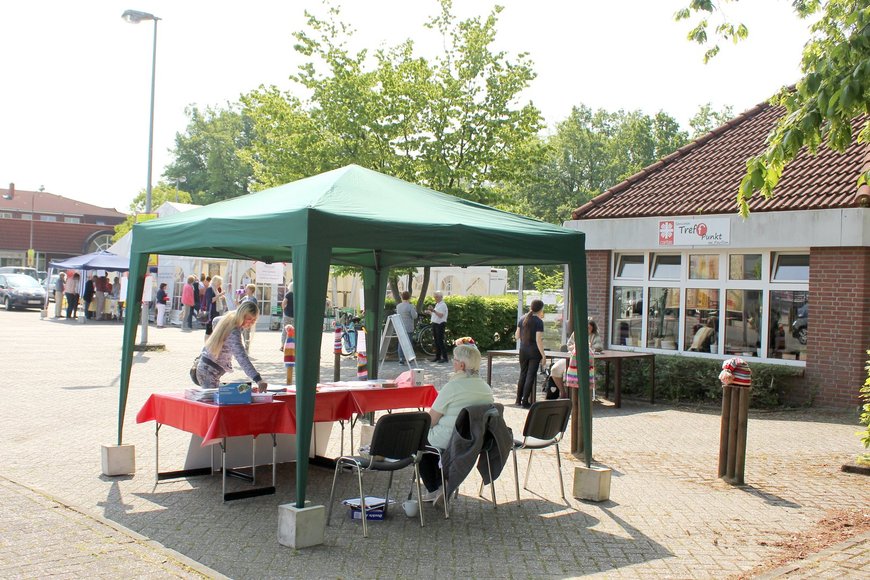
(703, 176)
(49, 237)
(49, 203)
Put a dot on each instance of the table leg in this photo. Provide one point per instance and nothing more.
(489, 369)
(652, 379)
(274, 458)
(617, 384)
(576, 430)
(254, 460)
(607, 379)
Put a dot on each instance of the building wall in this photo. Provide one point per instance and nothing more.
(838, 324)
(598, 289)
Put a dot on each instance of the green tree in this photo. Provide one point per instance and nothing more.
(160, 194)
(207, 161)
(707, 119)
(590, 152)
(827, 106)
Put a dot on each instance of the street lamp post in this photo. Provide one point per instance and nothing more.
(135, 17)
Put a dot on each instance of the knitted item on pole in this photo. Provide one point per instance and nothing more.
(362, 367)
(336, 345)
(290, 352)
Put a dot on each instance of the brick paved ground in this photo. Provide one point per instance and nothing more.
(668, 515)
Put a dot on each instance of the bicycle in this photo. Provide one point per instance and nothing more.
(421, 338)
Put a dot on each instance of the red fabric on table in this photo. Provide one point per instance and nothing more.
(368, 400)
(213, 422)
(328, 406)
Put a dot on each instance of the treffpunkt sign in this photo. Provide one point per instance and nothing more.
(695, 232)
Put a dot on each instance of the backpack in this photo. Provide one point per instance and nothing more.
(550, 390)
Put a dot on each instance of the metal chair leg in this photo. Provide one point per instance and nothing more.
(491, 482)
(332, 491)
(528, 471)
(387, 497)
(419, 492)
(362, 501)
(516, 473)
(559, 467)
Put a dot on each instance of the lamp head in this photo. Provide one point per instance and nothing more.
(135, 16)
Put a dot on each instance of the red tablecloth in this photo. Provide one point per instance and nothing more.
(368, 400)
(213, 422)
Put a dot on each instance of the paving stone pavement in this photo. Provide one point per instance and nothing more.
(668, 516)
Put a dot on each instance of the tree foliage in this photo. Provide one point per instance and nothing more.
(160, 194)
(207, 162)
(827, 106)
(707, 119)
(590, 152)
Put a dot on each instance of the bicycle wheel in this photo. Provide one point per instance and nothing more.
(426, 340)
(348, 342)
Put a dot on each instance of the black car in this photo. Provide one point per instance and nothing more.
(799, 326)
(20, 291)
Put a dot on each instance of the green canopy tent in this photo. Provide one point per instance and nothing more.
(353, 216)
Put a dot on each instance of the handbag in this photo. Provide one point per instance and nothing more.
(193, 370)
(551, 391)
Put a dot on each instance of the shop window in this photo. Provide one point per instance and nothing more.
(663, 324)
(629, 266)
(744, 267)
(703, 267)
(666, 267)
(743, 322)
(789, 313)
(48, 218)
(791, 268)
(627, 315)
(702, 323)
(72, 220)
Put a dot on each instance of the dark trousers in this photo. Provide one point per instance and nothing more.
(438, 335)
(72, 302)
(88, 314)
(430, 473)
(528, 379)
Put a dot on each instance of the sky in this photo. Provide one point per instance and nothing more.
(76, 78)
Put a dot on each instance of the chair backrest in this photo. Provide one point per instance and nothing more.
(400, 435)
(547, 419)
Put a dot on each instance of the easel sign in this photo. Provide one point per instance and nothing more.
(391, 326)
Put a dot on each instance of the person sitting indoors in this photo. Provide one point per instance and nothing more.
(465, 388)
(704, 337)
(225, 343)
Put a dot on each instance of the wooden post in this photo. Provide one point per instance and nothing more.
(742, 423)
(723, 429)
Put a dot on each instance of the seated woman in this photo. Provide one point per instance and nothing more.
(225, 343)
(465, 388)
(704, 337)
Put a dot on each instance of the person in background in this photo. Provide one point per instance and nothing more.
(213, 294)
(197, 298)
(465, 388)
(187, 302)
(71, 289)
(224, 343)
(286, 314)
(204, 283)
(248, 296)
(596, 343)
(116, 296)
(101, 285)
(439, 325)
(58, 294)
(408, 315)
(530, 340)
(88, 294)
(705, 336)
(162, 300)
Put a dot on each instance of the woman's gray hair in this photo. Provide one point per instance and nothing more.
(470, 356)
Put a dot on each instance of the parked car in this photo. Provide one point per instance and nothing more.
(20, 270)
(49, 286)
(799, 326)
(20, 291)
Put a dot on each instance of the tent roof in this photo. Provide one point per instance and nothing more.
(95, 261)
(367, 218)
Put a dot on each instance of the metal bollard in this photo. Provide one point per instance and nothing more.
(736, 377)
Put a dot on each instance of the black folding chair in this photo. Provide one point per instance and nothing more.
(396, 443)
(545, 426)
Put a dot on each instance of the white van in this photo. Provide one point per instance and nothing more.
(20, 270)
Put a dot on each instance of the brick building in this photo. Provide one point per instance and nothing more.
(55, 227)
(674, 270)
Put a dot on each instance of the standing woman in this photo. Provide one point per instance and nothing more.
(187, 301)
(224, 344)
(530, 339)
(213, 295)
(71, 290)
(162, 300)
